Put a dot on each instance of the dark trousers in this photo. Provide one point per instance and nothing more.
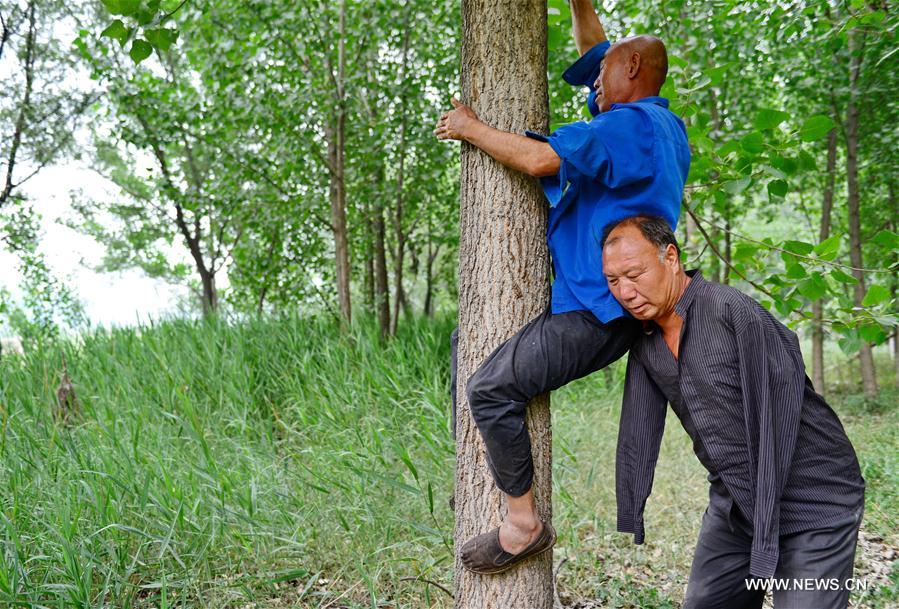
(721, 564)
(550, 351)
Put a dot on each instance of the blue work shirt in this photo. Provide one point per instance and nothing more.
(631, 160)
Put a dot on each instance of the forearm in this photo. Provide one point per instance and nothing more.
(514, 151)
(586, 26)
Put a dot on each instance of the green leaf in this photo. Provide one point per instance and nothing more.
(872, 333)
(807, 161)
(113, 6)
(728, 147)
(737, 186)
(799, 247)
(778, 188)
(815, 128)
(785, 164)
(140, 50)
(828, 248)
(717, 73)
(876, 295)
(795, 270)
(145, 16)
(843, 277)
(744, 251)
(850, 345)
(122, 7)
(769, 119)
(116, 31)
(129, 7)
(753, 142)
(161, 38)
(814, 287)
(887, 239)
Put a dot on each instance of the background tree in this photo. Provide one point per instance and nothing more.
(41, 106)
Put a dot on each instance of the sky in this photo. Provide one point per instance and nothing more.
(109, 299)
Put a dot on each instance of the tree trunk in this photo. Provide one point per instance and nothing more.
(335, 133)
(382, 293)
(399, 297)
(503, 279)
(433, 252)
(369, 263)
(824, 233)
(337, 194)
(865, 355)
(210, 296)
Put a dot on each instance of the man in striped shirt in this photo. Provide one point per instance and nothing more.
(786, 493)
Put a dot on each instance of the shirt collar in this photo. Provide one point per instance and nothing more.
(653, 99)
(686, 299)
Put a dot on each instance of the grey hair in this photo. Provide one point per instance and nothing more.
(654, 228)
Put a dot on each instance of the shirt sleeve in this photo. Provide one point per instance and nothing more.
(585, 71)
(615, 148)
(772, 377)
(639, 438)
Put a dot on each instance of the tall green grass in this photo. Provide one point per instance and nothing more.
(218, 464)
(278, 463)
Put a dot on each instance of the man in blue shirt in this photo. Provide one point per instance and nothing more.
(632, 158)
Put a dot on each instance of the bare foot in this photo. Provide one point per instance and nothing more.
(514, 537)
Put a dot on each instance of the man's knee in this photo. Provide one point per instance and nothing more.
(478, 393)
(485, 397)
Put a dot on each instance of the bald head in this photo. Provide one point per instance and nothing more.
(653, 59)
(633, 68)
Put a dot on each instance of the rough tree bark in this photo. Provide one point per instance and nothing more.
(865, 354)
(503, 278)
(824, 233)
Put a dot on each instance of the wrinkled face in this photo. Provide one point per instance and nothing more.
(612, 79)
(643, 283)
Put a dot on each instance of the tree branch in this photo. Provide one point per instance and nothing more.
(25, 108)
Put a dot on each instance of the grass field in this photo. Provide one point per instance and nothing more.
(281, 464)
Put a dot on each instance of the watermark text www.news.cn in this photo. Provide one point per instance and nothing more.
(806, 583)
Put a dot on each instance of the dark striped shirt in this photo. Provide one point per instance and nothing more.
(767, 439)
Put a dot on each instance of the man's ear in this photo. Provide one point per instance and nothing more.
(633, 65)
(671, 256)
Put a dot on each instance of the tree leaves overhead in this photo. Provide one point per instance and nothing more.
(763, 90)
(146, 18)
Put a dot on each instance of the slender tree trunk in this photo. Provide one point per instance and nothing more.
(824, 233)
(382, 292)
(337, 194)
(716, 262)
(369, 263)
(337, 185)
(725, 269)
(865, 355)
(399, 297)
(503, 280)
(433, 252)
